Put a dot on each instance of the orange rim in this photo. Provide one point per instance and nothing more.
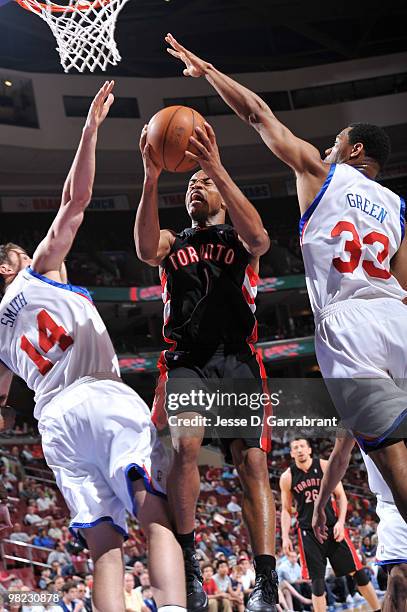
(29, 5)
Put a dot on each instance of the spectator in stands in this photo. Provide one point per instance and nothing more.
(210, 588)
(7, 478)
(248, 575)
(44, 502)
(237, 588)
(20, 536)
(368, 527)
(147, 594)
(368, 548)
(42, 539)
(55, 569)
(223, 546)
(14, 464)
(289, 573)
(355, 520)
(138, 569)
(60, 555)
(205, 486)
(27, 489)
(82, 596)
(26, 455)
(211, 504)
(233, 505)
(132, 597)
(59, 583)
(45, 579)
(220, 488)
(54, 531)
(69, 596)
(229, 473)
(31, 518)
(144, 579)
(224, 584)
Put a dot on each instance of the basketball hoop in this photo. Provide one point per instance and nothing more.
(84, 30)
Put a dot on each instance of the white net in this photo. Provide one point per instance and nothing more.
(84, 31)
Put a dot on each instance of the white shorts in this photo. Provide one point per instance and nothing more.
(362, 352)
(95, 435)
(392, 535)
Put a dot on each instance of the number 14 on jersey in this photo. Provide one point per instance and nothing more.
(49, 334)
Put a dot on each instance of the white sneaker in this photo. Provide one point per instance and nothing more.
(350, 600)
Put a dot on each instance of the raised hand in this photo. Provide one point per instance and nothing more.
(152, 169)
(207, 154)
(100, 106)
(194, 65)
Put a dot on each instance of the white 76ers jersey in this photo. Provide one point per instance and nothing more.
(348, 236)
(377, 484)
(51, 335)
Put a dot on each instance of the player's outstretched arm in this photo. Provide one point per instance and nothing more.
(300, 155)
(152, 243)
(245, 218)
(77, 193)
(334, 471)
(286, 505)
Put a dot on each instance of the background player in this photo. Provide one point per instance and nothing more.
(209, 277)
(351, 229)
(302, 480)
(96, 432)
(391, 531)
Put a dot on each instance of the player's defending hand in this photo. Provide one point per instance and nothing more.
(152, 169)
(100, 106)
(319, 524)
(208, 153)
(339, 531)
(194, 65)
(5, 521)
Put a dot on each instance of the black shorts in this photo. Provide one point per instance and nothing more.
(342, 555)
(208, 370)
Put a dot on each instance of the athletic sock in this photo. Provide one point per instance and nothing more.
(262, 563)
(186, 540)
(172, 609)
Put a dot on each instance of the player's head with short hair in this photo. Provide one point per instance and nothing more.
(300, 449)
(69, 591)
(128, 582)
(360, 142)
(222, 567)
(13, 258)
(203, 200)
(207, 571)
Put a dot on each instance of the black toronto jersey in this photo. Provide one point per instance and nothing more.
(209, 289)
(305, 487)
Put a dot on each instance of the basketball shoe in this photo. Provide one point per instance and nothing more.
(264, 597)
(197, 599)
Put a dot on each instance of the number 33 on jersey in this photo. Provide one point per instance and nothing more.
(39, 321)
(349, 234)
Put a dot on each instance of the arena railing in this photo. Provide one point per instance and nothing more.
(28, 548)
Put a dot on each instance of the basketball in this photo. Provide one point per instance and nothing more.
(168, 134)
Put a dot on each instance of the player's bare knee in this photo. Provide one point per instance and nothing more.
(186, 450)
